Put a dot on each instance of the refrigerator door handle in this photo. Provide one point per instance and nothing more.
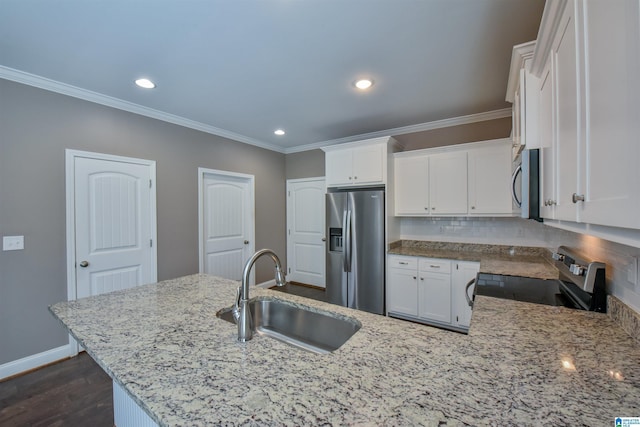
(347, 241)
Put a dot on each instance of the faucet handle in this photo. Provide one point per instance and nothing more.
(236, 306)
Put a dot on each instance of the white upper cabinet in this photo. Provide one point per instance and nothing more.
(609, 181)
(411, 185)
(587, 56)
(489, 180)
(468, 179)
(522, 92)
(548, 198)
(339, 167)
(448, 183)
(564, 70)
(369, 164)
(361, 163)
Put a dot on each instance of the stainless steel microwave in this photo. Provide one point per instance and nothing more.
(525, 184)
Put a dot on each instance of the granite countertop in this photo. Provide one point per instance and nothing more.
(521, 364)
(493, 259)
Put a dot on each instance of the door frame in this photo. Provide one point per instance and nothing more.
(202, 172)
(70, 156)
(289, 216)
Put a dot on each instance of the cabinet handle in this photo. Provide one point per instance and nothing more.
(403, 263)
(422, 278)
(575, 198)
(414, 277)
(426, 209)
(473, 207)
(350, 178)
(434, 266)
(355, 177)
(433, 209)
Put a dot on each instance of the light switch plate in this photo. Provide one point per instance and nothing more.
(12, 243)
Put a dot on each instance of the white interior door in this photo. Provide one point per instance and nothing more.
(305, 224)
(115, 223)
(226, 222)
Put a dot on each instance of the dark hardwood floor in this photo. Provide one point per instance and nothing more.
(74, 392)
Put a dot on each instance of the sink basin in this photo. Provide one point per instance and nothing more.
(311, 329)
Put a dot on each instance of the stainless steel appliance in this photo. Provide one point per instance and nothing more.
(355, 249)
(525, 185)
(581, 284)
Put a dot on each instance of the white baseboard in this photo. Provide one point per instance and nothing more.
(268, 284)
(35, 361)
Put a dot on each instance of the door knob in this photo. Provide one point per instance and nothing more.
(84, 264)
(324, 239)
(246, 242)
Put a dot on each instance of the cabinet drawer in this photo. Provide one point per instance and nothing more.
(404, 262)
(435, 265)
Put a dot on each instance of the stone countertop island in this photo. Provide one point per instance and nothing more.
(521, 364)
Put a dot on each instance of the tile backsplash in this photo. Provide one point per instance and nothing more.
(621, 260)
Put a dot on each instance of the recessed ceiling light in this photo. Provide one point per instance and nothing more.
(363, 84)
(145, 83)
(279, 132)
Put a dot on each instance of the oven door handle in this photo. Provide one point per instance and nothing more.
(466, 292)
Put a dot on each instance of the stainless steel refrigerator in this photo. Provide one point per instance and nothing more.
(355, 249)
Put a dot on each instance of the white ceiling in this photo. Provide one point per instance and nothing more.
(244, 68)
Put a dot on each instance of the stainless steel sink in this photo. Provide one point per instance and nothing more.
(311, 329)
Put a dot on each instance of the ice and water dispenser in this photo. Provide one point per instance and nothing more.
(335, 239)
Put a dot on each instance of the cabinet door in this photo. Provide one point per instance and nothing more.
(434, 297)
(402, 291)
(412, 185)
(609, 181)
(462, 274)
(529, 105)
(490, 180)
(565, 72)
(448, 183)
(547, 145)
(368, 164)
(339, 167)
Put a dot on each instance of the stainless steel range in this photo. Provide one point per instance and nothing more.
(581, 284)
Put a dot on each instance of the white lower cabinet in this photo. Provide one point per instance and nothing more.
(404, 277)
(430, 290)
(463, 272)
(434, 297)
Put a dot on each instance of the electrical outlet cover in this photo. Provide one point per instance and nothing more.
(12, 243)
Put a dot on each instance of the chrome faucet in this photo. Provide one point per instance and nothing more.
(241, 312)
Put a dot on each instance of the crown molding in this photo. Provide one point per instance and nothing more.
(454, 121)
(98, 98)
(519, 55)
(551, 17)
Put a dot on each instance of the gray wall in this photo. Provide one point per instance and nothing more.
(35, 128)
(460, 134)
(306, 164)
(309, 164)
